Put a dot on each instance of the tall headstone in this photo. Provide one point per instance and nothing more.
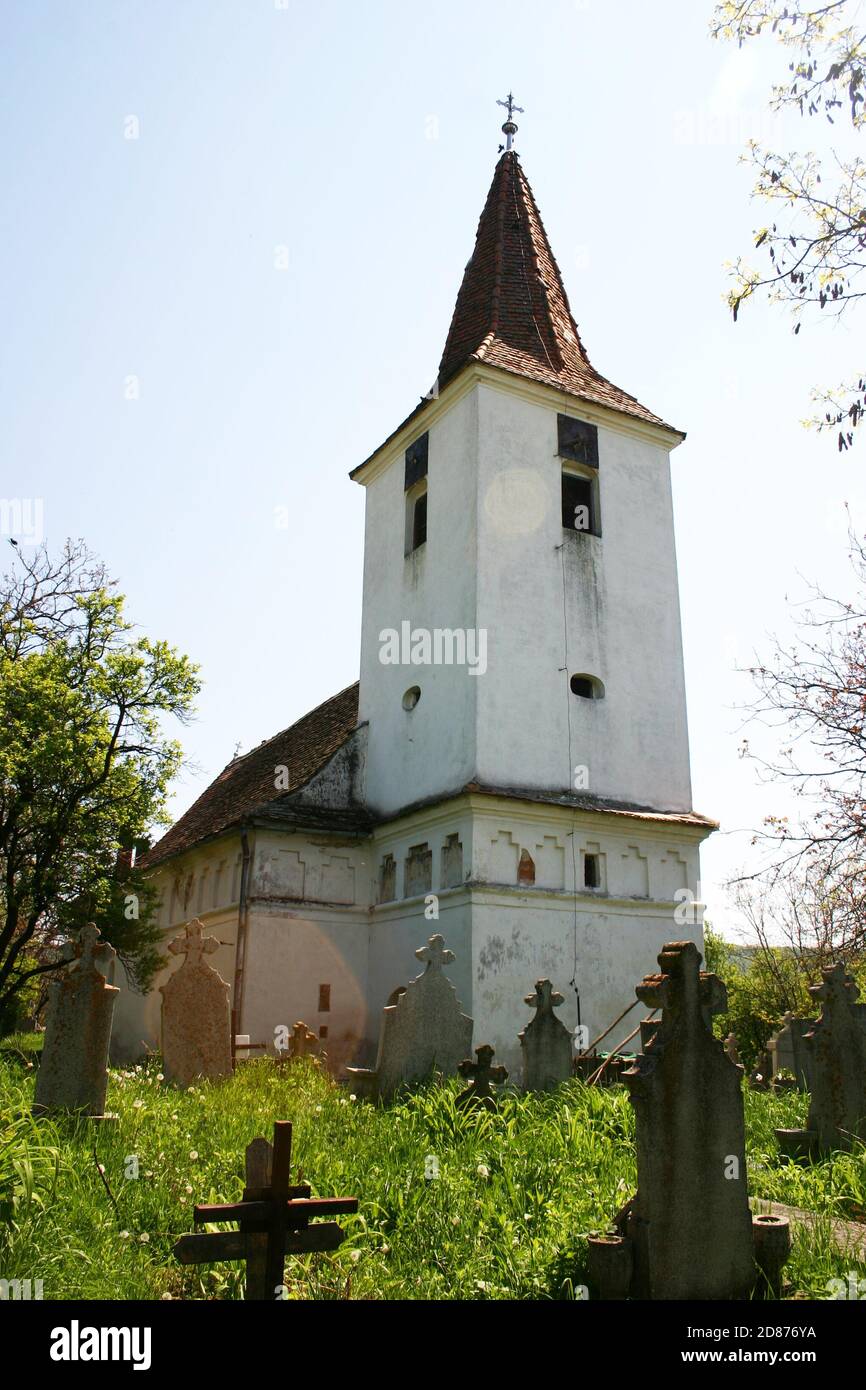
(545, 1042)
(74, 1070)
(837, 1044)
(196, 1012)
(789, 1051)
(422, 1033)
(689, 1223)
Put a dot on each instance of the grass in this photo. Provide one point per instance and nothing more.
(507, 1217)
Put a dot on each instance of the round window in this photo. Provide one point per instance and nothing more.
(587, 687)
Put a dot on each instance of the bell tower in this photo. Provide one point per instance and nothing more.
(523, 513)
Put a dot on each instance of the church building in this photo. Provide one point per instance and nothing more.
(512, 767)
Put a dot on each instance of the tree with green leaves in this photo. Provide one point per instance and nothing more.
(815, 242)
(85, 765)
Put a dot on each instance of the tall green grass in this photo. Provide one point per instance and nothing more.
(516, 1194)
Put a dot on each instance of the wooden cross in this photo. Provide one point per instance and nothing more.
(481, 1074)
(273, 1217)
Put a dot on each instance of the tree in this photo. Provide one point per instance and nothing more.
(84, 764)
(805, 904)
(816, 244)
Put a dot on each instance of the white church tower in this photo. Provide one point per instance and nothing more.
(528, 506)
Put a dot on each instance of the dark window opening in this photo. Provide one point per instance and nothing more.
(323, 1031)
(577, 440)
(526, 867)
(591, 875)
(578, 504)
(419, 521)
(587, 687)
(324, 999)
(416, 462)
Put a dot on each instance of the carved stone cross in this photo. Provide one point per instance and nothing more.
(480, 1075)
(545, 999)
(435, 953)
(193, 944)
(91, 952)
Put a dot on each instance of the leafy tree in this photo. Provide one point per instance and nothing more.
(816, 242)
(84, 764)
(763, 983)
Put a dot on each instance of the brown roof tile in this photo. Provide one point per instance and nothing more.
(246, 785)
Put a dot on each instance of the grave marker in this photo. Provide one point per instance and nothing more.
(545, 1042)
(274, 1219)
(422, 1033)
(837, 1045)
(74, 1070)
(689, 1224)
(196, 1012)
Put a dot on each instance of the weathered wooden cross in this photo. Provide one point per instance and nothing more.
(273, 1217)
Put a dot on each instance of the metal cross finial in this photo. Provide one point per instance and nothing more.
(509, 130)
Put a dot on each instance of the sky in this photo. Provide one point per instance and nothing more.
(233, 232)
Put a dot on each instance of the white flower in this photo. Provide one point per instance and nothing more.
(353, 1097)
(144, 1237)
(354, 1256)
(137, 1104)
(483, 1171)
(193, 1153)
(166, 1297)
(318, 1109)
(189, 1189)
(160, 1077)
(124, 1235)
(100, 1167)
(455, 1221)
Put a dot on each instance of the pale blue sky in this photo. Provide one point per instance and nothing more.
(363, 140)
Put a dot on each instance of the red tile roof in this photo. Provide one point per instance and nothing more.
(245, 788)
(512, 310)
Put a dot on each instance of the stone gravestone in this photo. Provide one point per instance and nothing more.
(837, 1044)
(481, 1075)
(789, 1052)
(196, 1012)
(731, 1050)
(423, 1032)
(689, 1224)
(74, 1070)
(545, 1042)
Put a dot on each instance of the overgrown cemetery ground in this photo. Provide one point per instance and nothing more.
(453, 1204)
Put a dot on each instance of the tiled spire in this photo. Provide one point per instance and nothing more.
(512, 310)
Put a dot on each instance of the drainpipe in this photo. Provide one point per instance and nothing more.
(241, 943)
